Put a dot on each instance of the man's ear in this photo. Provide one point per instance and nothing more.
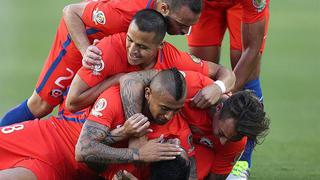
(164, 9)
(147, 92)
(219, 107)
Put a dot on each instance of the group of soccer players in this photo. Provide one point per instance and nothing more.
(132, 105)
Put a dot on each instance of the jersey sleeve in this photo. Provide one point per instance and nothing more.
(111, 61)
(104, 16)
(106, 107)
(254, 10)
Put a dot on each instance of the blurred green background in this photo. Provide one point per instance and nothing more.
(290, 76)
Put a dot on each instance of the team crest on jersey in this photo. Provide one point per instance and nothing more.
(98, 68)
(183, 73)
(195, 59)
(259, 4)
(56, 93)
(100, 105)
(98, 17)
(207, 142)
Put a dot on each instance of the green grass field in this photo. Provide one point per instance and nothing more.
(290, 77)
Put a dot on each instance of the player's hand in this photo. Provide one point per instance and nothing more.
(137, 126)
(124, 175)
(154, 151)
(207, 96)
(92, 56)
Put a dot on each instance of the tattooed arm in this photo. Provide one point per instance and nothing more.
(92, 147)
(132, 90)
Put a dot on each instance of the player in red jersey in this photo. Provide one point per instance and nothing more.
(163, 99)
(51, 152)
(220, 129)
(143, 48)
(247, 22)
(97, 19)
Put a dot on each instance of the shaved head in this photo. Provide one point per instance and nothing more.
(170, 81)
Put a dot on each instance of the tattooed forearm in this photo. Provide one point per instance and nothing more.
(131, 89)
(92, 146)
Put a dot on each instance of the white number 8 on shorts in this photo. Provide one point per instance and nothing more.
(10, 129)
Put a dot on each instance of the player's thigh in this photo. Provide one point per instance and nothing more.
(209, 31)
(208, 53)
(62, 63)
(234, 19)
(18, 173)
(55, 78)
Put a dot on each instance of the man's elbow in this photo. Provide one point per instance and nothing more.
(71, 105)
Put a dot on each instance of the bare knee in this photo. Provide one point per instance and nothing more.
(38, 106)
(18, 173)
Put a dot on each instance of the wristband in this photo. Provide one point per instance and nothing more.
(221, 86)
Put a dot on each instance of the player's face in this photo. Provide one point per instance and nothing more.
(224, 129)
(180, 22)
(162, 106)
(142, 48)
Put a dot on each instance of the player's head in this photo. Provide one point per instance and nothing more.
(240, 115)
(165, 95)
(177, 169)
(144, 37)
(180, 14)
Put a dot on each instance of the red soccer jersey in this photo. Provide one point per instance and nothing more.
(114, 56)
(110, 17)
(215, 158)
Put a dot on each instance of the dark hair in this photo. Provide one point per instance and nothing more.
(177, 169)
(194, 5)
(251, 120)
(170, 80)
(149, 20)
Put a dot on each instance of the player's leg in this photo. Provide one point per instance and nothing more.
(244, 164)
(18, 173)
(205, 37)
(59, 69)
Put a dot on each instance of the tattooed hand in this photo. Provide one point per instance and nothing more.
(137, 126)
(154, 151)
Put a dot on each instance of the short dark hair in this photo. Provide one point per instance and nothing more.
(170, 80)
(149, 20)
(194, 5)
(246, 109)
(177, 169)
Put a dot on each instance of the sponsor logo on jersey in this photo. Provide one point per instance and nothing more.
(259, 4)
(98, 68)
(56, 93)
(195, 59)
(100, 105)
(98, 17)
(205, 141)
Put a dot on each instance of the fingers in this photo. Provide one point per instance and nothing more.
(95, 42)
(92, 57)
